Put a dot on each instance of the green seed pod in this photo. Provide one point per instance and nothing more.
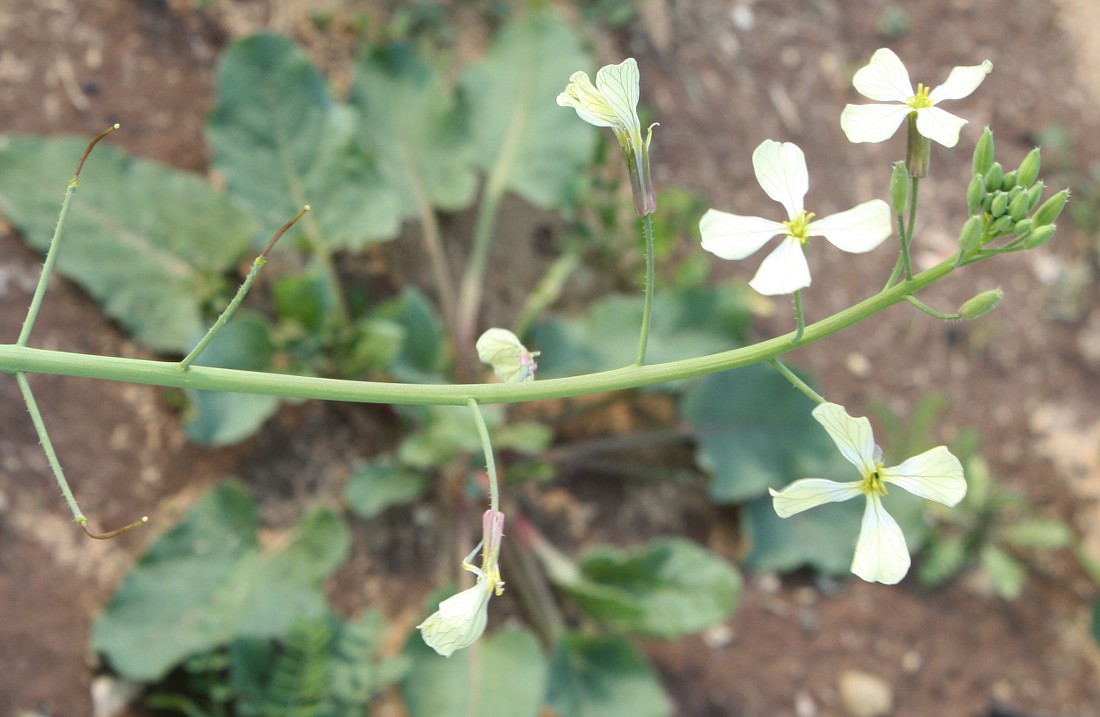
(1029, 168)
(1050, 209)
(1001, 226)
(981, 304)
(983, 152)
(975, 193)
(994, 177)
(1009, 181)
(899, 188)
(999, 204)
(1034, 194)
(987, 203)
(1022, 227)
(1017, 208)
(1038, 236)
(970, 238)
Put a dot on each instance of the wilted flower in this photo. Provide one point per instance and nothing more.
(461, 618)
(613, 102)
(781, 170)
(885, 79)
(510, 359)
(881, 554)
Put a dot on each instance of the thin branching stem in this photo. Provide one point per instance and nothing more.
(487, 448)
(796, 381)
(647, 302)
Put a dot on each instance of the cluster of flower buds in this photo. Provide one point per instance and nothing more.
(1006, 204)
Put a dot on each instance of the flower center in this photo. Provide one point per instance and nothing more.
(799, 226)
(920, 100)
(873, 483)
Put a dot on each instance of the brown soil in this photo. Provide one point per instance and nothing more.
(1023, 376)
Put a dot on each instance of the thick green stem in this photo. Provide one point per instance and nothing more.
(16, 359)
(487, 448)
(647, 303)
(799, 317)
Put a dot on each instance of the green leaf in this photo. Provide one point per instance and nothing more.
(501, 675)
(148, 242)
(423, 354)
(281, 143)
(206, 582)
(686, 323)
(304, 298)
(823, 538)
(1096, 621)
(1007, 574)
(378, 484)
(942, 559)
(217, 418)
(603, 676)
(755, 431)
(1038, 533)
(669, 587)
(525, 142)
(411, 123)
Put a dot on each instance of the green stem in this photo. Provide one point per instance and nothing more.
(907, 235)
(473, 279)
(796, 381)
(15, 359)
(647, 304)
(799, 317)
(47, 448)
(487, 448)
(930, 311)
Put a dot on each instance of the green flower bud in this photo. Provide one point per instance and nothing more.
(994, 177)
(1038, 236)
(975, 193)
(987, 203)
(1017, 208)
(899, 188)
(1009, 181)
(1050, 209)
(983, 152)
(1029, 168)
(999, 205)
(1022, 227)
(1001, 226)
(981, 304)
(970, 238)
(1034, 194)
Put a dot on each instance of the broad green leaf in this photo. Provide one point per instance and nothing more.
(281, 143)
(524, 141)
(411, 123)
(148, 242)
(380, 483)
(206, 582)
(942, 559)
(423, 357)
(216, 418)
(603, 676)
(1038, 533)
(501, 675)
(670, 587)
(1007, 574)
(685, 324)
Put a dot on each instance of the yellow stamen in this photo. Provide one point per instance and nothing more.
(800, 226)
(920, 100)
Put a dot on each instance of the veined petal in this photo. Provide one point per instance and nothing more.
(939, 125)
(872, 123)
(619, 86)
(731, 236)
(852, 436)
(884, 79)
(591, 106)
(961, 82)
(935, 474)
(781, 170)
(881, 555)
(860, 229)
(459, 621)
(809, 493)
(784, 271)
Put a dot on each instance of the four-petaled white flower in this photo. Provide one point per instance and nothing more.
(881, 554)
(460, 619)
(885, 79)
(781, 170)
(613, 102)
(510, 359)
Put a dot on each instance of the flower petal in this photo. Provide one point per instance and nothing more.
(860, 229)
(881, 555)
(619, 86)
(784, 271)
(935, 474)
(872, 123)
(459, 621)
(591, 106)
(781, 170)
(809, 493)
(853, 436)
(961, 82)
(731, 236)
(940, 125)
(884, 79)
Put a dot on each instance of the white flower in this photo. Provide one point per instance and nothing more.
(881, 555)
(781, 170)
(613, 102)
(510, 359)
(460, 619)
(885, 79)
